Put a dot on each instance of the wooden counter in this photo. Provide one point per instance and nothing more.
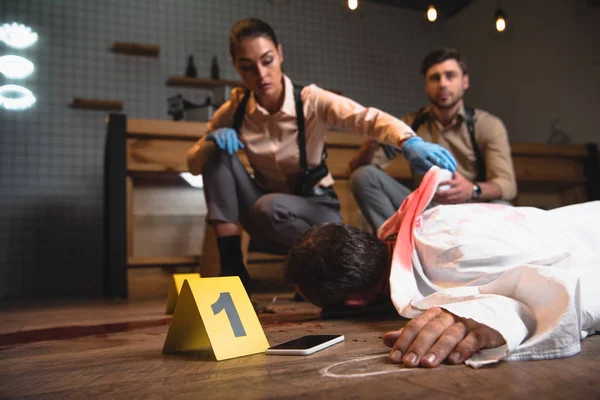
(548, 176)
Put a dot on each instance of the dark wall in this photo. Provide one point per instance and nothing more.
(51, 212)
(542, 74)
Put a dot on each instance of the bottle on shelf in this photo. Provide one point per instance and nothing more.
(214, 69)
(190, 70)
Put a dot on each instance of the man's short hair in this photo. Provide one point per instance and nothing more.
(441, 55)
(332, 261)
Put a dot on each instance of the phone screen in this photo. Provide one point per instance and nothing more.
(305, 342)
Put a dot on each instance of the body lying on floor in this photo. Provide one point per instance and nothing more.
(480, 282)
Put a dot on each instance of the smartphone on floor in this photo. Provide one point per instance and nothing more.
(305, 345)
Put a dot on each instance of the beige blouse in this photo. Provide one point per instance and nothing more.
(271, 139)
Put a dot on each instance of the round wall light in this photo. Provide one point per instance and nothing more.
(15, 67)
(18, 36)
(15, 97)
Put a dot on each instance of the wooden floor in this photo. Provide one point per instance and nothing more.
(112, 349)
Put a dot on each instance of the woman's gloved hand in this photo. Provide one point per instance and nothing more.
(226, 139)
(422, 155)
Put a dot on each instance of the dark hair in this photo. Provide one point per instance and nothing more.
(331, 262)
(249, 27)
(441, 55)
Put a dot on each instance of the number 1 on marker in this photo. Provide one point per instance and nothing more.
(225, 302)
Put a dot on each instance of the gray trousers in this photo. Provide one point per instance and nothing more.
(379, 196)
(273, 220)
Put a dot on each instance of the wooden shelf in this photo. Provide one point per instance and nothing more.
(96, 104)
(162, 261)
(206, 83)
(136, 49)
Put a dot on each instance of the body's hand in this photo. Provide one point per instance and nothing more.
(226, 139)
(423, 155)
(460, 190)
(437, 335)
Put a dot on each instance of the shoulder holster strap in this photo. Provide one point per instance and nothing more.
(479, 160)
(238, 118)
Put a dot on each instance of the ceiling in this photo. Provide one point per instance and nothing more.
(445, 7)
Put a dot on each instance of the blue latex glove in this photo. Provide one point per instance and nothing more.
(422, 155)
(226, 139)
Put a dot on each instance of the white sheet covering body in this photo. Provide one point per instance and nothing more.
(528, 273)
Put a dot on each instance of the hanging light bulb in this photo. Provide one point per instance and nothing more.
(500, 20)
(431, 13)
(352, 4)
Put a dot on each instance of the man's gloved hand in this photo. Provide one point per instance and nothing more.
(423, 155)
(226, 139)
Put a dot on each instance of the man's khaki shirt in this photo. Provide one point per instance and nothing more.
(491, 137)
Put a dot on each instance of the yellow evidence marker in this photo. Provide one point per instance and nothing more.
(215, 313)
(176, 285)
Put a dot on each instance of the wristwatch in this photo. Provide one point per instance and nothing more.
(476, 192)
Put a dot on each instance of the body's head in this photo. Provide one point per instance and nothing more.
(334, 264)
(446, 78)
(257, 57)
